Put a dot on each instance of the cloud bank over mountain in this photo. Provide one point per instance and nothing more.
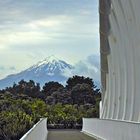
(89, 67)
(54, 69)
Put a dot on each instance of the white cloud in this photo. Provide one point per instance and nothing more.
(89, 67)
(44, 30)
(31, 37)
(51, 22)
(4, 70)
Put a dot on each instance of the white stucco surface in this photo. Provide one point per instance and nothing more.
(111, 129)
(38, 132)
(120, 72)
(122, 92)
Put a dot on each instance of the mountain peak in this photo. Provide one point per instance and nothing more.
(50, 65)
(51, 59)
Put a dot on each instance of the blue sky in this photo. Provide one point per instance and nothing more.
(31, 30)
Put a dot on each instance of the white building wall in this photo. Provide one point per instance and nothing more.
(111, 129)
(38, 132)
(120, 72)
(122, 80)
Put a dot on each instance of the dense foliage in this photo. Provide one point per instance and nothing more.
(23, 104)
(18, 114)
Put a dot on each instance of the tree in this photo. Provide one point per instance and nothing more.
(29, 88)
(71, 82)
(82, 94)
(50, 87)
(14, 124)
(60, 96)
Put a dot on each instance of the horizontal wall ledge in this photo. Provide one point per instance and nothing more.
(38, 131)
(111, 129)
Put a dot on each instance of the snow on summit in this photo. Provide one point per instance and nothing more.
(50, 65)
(51, 59)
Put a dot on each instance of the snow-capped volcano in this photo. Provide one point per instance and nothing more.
(50, 66)
(50, 69)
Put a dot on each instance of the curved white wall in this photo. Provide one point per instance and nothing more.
(120, 72)
(38, 132)
(122, 78)
(111, 129)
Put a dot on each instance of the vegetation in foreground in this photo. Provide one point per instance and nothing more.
(22, 105)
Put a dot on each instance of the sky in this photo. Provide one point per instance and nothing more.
(31, 30)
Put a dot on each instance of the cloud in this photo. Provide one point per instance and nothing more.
(89, 67)
(12, 68)
(50, 22)
(2, 68)
(5, 70)
(53, 31)
(94, 60)
(27, 10)
(30, 22)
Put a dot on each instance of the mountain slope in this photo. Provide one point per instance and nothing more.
(50, 69)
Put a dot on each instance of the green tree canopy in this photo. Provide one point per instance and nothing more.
(71, 82)
(50, 87)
